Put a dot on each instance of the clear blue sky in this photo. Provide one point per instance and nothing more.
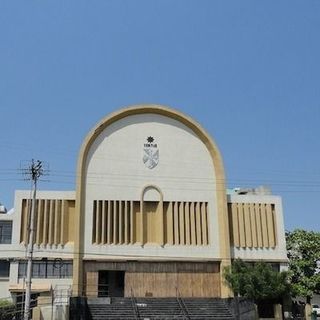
(248, 71)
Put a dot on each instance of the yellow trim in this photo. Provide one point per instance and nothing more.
(80, 190)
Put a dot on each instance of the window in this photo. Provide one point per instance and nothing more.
(5, 232)
(47, 269)
(4, 268)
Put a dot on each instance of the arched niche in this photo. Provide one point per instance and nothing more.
(151, 210)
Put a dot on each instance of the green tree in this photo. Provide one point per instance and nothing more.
(257, 281)
(6, 309)
(303, 249)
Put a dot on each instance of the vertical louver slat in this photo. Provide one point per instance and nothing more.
(170, 223)
(187, 223)
(204, 223)
(263, 212)
(235, 225)
(115, 222)
(120, 226)
(63, 225)
(99, 222)
(176, 222)
(126, 224)
(132, 224)
(110, 213)
(181, 224)
(51, 222)
(56, 222)
(274, 224)
(271, 231)
(26, 221)
(259, 225)
(46, 222)
(253, 225)
(242, 233)
(39, 216)
(198, 224)
(103, 223)
(207, 224)
(94, 218)
(192, 224)
(247, 223)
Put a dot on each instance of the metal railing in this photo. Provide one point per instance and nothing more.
(100, 290)
(15, 309)
(59, 296)
(134, 305)
(182, 305)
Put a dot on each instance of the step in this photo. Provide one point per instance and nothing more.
(158, 308)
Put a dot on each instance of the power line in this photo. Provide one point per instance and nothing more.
(117, 176)
(243, 183)
(104, 179)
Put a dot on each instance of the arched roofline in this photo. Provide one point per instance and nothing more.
(199, 131)
(154, 109)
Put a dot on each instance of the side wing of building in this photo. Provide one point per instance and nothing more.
(256, 229)
(53, 243)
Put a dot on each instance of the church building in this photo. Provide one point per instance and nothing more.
(151, 216)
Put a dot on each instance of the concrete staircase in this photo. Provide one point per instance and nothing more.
(202, 308)
(159, 308)
(111, 308)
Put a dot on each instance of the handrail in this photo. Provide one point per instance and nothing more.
(185, 308)
(182, 305)
(134, 305)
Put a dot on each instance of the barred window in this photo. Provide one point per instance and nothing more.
(57, 268)
(5, 232)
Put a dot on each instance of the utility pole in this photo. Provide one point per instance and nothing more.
(34, 172)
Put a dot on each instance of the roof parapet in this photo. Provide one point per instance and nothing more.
(261, 190)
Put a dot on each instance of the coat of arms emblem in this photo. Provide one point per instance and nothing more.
(150, 153)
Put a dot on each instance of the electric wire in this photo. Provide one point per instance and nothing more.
(199, 180)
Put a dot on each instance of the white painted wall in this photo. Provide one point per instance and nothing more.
(115, 171)
(4, 289)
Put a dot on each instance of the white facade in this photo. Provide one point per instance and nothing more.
(116, 171)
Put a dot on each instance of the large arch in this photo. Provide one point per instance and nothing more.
(80, 187)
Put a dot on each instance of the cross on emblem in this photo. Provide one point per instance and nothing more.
(150, 153)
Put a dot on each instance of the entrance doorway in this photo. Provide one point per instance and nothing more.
(111, 283)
